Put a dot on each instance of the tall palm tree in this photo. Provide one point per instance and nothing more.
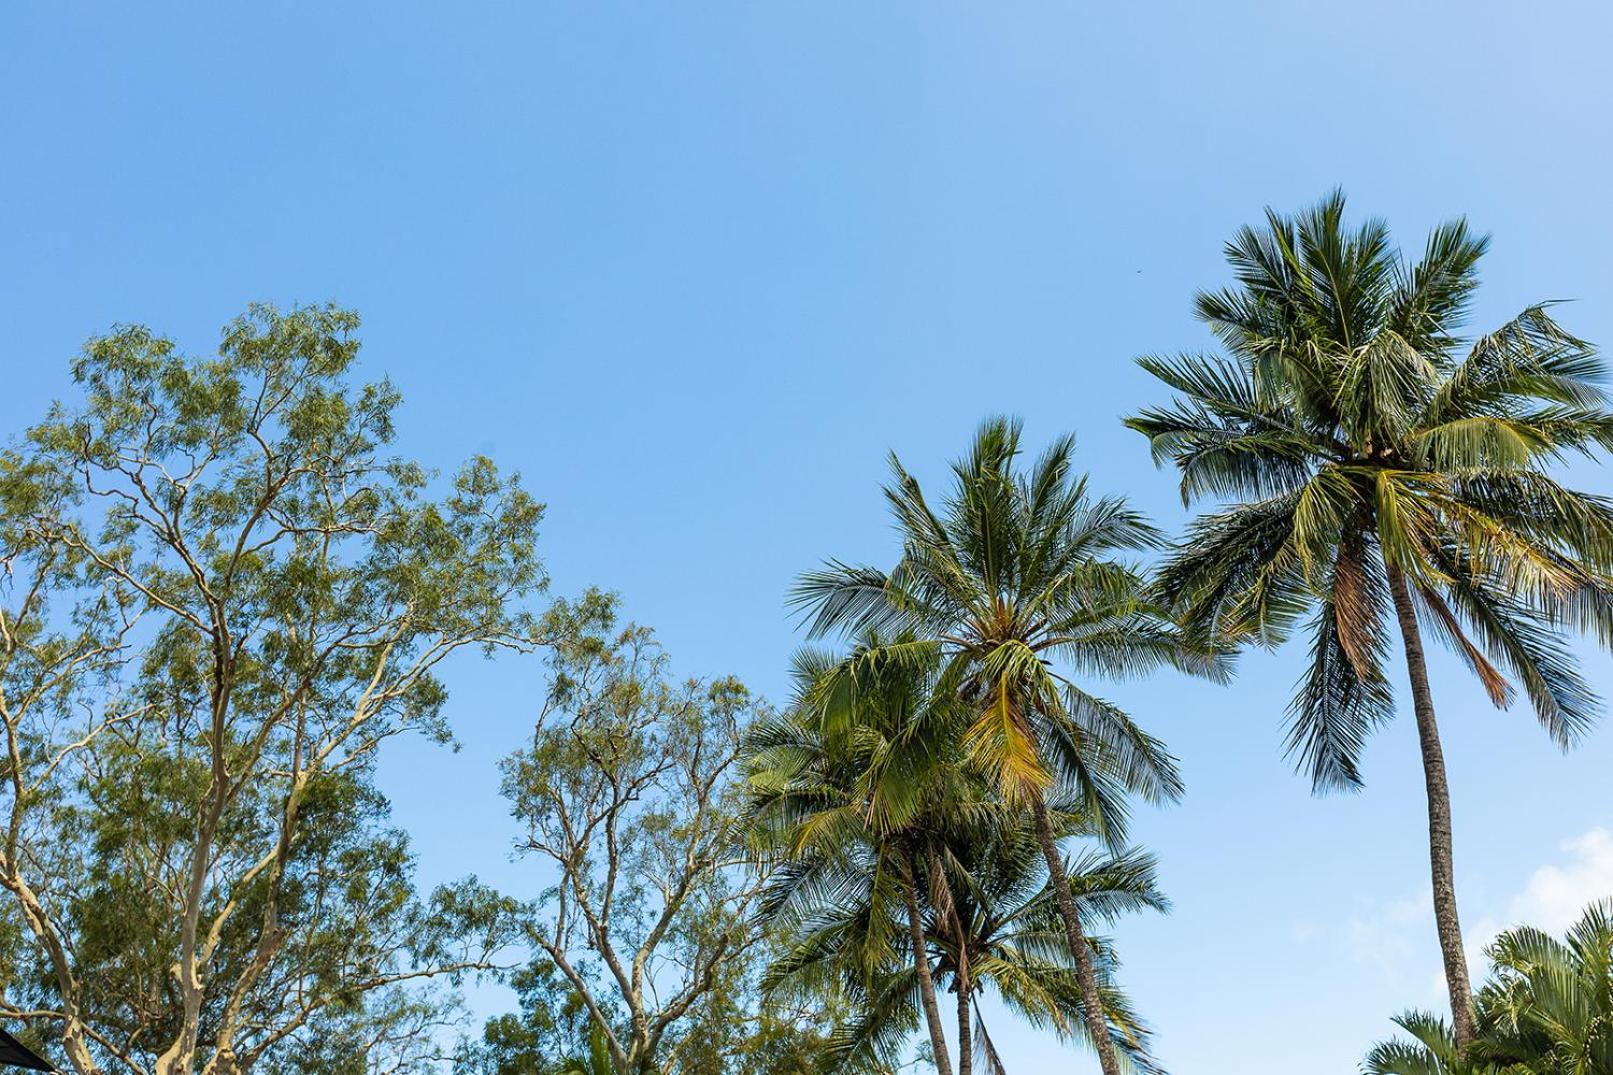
(997, 929)
(1018, 586)
(990, 918)
(1548, 1010)
(1382, 466)
(841, 786)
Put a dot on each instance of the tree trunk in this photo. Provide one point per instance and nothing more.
(1439, 815)
(1086, 978)
(948, 907)
(921, 963)
(966, 1049)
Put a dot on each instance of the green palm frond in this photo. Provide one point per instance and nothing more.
(1432, 1050)
(1431, 298)
(1354, 436)
(1547, 1010)
(1335, 709)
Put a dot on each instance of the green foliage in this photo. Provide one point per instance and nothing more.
(1021, 585)
(221, 598)
(1547, 1010)
(645, 945)
(1380, 467)
(1364, 443)
(220, 595)
(1018, 590)
(865, 801)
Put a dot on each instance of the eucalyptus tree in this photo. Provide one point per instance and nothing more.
(1383, 468)
(221, 597)
(1547, 1010)
(630, 796)
(1020, 587)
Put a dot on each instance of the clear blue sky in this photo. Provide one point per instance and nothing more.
(693, 268)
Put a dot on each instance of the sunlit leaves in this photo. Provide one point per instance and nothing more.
(208, 834)
(1547, 1010)
(1019, 579)
(1354, 437)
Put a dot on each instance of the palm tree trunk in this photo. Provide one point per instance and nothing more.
(1086, 978)
(921, 963)
(966, 1048)
(1439, 815)
(947, 907)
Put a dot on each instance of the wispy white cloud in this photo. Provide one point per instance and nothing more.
(1396, 936)
(1555, 895)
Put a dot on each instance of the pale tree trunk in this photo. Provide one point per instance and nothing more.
(75, 1042)
(271, 933)
(180, 1056)
(1439, 815)
(77, 1049)
(1086, 978)
(921, 964)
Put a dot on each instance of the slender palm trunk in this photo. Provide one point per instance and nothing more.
(1086, 978)
(1439, 815)
(921, 963)
(966, 1047)
(947, 906)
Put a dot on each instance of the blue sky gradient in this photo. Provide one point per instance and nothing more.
(694, 268)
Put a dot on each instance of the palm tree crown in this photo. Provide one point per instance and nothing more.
(877, 829)
(1021, 585)
(1018, 587)
(846, 795)
(997, 929)
(1382, 466)
(1365, 445)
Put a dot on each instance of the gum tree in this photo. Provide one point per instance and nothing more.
(629, 794)
(223, 598)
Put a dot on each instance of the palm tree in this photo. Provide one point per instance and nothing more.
(1016, 587)
(988, 915)
(1548, 1010)
(1431, 1051)
(1382, 466)
(838, 785)
(997, 928)
(1549, 1004)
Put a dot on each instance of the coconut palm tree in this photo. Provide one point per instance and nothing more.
(1382, 467)
(989, 924)
(997, 930)
(1548, 1010)
(839, 788)
(1020, 587)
